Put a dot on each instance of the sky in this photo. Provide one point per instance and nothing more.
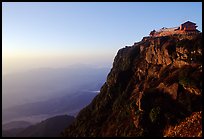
(59, 34)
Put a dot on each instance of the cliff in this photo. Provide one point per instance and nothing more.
(153, 89)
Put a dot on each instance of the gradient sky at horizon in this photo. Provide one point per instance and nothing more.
(56, 33)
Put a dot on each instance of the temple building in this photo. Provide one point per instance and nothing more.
(188, 26)
(185, 28)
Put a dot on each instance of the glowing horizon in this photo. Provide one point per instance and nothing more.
(54, 34)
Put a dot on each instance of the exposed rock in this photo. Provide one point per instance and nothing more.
(189, 127)
(171, 89)
(153, 85)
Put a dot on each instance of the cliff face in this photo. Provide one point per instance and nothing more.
(153, 89)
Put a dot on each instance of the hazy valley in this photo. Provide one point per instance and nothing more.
(41, 93)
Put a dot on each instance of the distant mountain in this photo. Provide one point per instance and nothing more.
(51, 127)
(71, 104)
(43, 83)
(11, 132)
(15, 124)
(154, 89)
(49, 91)
(11, 129)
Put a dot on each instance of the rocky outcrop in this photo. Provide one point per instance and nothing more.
(189, 127)
(153, 88)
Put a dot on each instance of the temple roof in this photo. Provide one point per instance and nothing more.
(188, 22)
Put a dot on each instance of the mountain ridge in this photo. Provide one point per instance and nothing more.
(50, 127)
